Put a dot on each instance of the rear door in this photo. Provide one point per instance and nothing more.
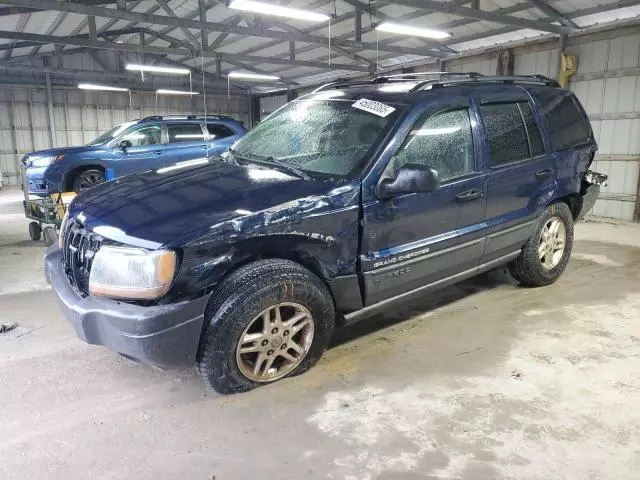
(186, 141)
(411, 240)
(146, 150)
(221, 137)
(522, 171)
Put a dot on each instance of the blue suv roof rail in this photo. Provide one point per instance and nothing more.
(186, 117)
(398, 77)
(483, 79)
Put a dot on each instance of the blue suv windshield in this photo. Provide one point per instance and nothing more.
(111, 134)
(326, 137)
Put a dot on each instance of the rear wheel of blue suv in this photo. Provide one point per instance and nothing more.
(344, 203)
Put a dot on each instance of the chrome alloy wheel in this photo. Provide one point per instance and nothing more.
(553, 239)
(275, 342)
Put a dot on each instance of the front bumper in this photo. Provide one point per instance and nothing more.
(40, 182)
(166, 336)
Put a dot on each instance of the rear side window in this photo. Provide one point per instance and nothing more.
(216, 132)
(184, 132)
(567, 125)
(511, 131)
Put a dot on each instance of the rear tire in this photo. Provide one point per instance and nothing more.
(546, 254)
(86, 179)
(262, 300)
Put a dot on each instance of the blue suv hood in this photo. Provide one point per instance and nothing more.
(63, 151)
(153, 208)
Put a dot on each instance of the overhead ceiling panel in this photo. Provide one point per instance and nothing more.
(9, 22)
(70, 23)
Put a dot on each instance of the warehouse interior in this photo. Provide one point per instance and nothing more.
(482, 380)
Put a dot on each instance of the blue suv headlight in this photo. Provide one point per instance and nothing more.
(45, 161)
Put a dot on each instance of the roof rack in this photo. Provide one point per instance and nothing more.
(445, 79)
(483, 79)
(407, 76)
(398, 77)
(186, 117)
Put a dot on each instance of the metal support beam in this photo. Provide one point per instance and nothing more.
(506, 63)
(129, 47)
(338, 50)
(204, 36)
(461, 11)
(548, 10)
(122, 4)
(52, 120)
(362, 7)
(93, 34)
(292, 50)
(220, 27)
(475, 4)
(358, 25)
(562, 45)
(218, 68)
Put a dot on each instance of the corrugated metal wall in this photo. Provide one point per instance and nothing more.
(81, 116)
(607, 83)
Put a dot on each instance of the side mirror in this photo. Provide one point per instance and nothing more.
(124, 144)
(411, 178)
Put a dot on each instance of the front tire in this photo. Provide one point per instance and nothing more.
(268, 320)
(546, 254)
(87, 179)
(35, 231)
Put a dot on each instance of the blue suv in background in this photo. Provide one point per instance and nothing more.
(150, 143)
(347, 201)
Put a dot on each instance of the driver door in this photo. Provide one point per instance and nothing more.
(415, 239)
(146, 152)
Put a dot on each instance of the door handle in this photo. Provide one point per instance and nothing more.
(469, 195)
(544, 174)
(158, 152)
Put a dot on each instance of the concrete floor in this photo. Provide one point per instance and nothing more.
(485, 380)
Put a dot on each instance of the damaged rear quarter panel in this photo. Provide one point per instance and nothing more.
(319, 231)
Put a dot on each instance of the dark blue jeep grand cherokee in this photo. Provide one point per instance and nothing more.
(343, 202)
(149, 143)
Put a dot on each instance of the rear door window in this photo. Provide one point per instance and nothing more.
(511, 131)
(185, 132)
(567, 125)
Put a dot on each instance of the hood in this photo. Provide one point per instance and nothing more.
(153, 208)
(59, 151)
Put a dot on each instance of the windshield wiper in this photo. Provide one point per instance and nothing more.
(271, 161)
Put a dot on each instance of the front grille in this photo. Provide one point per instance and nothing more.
(80, 246)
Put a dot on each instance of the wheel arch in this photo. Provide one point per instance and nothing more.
(313, 253)
(573, 201)
(72, 173)
(298, 248)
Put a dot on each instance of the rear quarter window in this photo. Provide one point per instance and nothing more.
(217, 131)
(567, 125)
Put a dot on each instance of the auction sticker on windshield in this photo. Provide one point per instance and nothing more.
(374, 107)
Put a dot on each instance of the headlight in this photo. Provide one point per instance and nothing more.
(46, 161)
(131, 273)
